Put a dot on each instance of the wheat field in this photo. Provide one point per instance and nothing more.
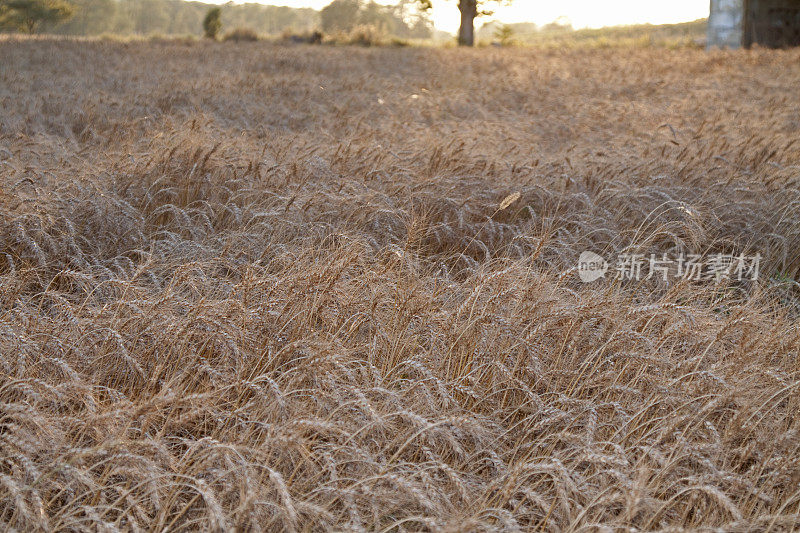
(260, 287)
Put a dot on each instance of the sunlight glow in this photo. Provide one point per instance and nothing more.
(581, 13)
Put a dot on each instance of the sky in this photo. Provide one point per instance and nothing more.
(581, 13)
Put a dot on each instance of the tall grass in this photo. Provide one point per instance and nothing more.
(290, 288)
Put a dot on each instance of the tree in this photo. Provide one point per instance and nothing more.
(411, 22)
(401, 20)
(28, 15)
(469, 9)
(212, 24)
(340, 15)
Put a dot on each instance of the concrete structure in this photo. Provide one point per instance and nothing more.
(737, 23)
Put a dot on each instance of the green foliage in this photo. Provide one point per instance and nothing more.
(212, 24)
(178, 17)
(29, 15)
(504, 34)
(403, 20)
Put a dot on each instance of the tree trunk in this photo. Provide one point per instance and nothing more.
(466, 33)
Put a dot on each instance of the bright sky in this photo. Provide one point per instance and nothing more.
(582, 13)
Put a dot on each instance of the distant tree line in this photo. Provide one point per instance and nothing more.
(168, 17)
(494, 29)
(179, 17)
(560, 31)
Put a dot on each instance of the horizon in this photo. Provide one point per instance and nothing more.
(579, 13)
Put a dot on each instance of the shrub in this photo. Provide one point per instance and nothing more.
(241, 35)
(366, 35)
(212, 24)
(314, 37)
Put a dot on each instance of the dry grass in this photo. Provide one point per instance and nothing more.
(259, 287)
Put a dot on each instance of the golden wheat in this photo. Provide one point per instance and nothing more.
(261, 287)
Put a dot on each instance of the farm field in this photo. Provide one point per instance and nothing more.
(261, 287)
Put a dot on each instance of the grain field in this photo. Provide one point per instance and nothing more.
(261, 287)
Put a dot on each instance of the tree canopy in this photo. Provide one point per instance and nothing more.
(28, 15)
(403, 19)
